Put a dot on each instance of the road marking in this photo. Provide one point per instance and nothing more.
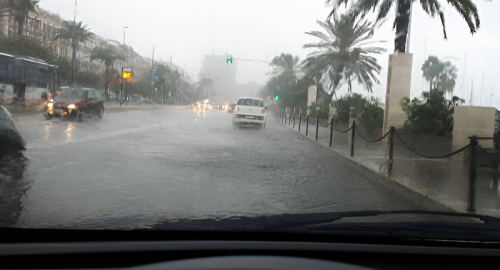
(100, 136)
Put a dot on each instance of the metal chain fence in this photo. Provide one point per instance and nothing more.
(473, 145)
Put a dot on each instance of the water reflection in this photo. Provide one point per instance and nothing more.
(48, 127)
(69, 131)
(13, 185)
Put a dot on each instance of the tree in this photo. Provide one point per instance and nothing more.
(440, 75)
(77, 33)
(205, 85)
(107, 56)
(26, 46)
(288, 82)
(466, 8)
(343, 55)
(21, 10)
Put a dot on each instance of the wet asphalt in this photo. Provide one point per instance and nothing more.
(141, 168)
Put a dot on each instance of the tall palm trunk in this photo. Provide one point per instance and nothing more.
(73, 60)
(336, 83)
(106, 82)
(20, 25)
(402, 23)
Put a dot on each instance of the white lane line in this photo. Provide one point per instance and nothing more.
(100, 136)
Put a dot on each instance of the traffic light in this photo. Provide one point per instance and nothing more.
(229, 59)
(277, 97)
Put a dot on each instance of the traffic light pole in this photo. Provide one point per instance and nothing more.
(253, 60)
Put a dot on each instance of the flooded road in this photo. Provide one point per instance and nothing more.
(137, 169)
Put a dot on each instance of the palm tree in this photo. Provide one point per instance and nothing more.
(77, 33)
(288, 65)
(440, 75)
(22, 9)
(431, 69)
(107, 56)
(447, 80)
(466, 8)
(343, 55)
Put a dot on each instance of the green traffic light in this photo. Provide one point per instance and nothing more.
(229, 61)
(277, 97)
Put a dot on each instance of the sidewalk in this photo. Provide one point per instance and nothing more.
(444, 181)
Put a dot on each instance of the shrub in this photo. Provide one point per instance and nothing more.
(369, 112)
(432, 115)
(323, 110)
(372, 116)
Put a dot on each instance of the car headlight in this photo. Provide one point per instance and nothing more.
(71, 106)
(50, 105)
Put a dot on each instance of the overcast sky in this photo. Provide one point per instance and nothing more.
(261, 29)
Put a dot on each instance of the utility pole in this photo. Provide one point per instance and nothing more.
(153, 69)
(463, 89)
(76, 4)
(482, 84)
(471, 87)
(153, 57)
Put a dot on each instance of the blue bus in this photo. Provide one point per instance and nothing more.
(25, 79)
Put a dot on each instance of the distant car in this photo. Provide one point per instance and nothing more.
(250, 111)
(231, 107)
(75, 103)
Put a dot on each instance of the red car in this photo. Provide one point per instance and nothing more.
(75, 103)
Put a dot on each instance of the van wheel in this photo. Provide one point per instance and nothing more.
(48, 116)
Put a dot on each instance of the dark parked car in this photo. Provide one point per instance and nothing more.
(75, 103)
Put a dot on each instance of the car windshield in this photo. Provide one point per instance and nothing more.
(72, 93)
(127, 114)
(251, 102)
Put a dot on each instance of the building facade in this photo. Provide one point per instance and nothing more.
(223, 76)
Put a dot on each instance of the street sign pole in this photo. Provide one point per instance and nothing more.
(161, 98)
(121, 89)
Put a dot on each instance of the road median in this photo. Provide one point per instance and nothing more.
(30, 110)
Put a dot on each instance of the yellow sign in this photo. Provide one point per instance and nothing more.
(127, 75)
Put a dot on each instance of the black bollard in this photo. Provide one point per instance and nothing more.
(300, 120)
(391, 150)
(307, 124)
(317, 126)
(331, 132)
(353, 136)
(472, 174)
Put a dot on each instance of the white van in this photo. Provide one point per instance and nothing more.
(249, 111)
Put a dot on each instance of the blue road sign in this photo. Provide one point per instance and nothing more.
(156, 77)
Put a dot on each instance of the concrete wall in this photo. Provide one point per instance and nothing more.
(311, 96)
(469, 121)
(331, 113)
(398, 86)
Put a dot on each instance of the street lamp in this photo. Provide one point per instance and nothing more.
(124, 39)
